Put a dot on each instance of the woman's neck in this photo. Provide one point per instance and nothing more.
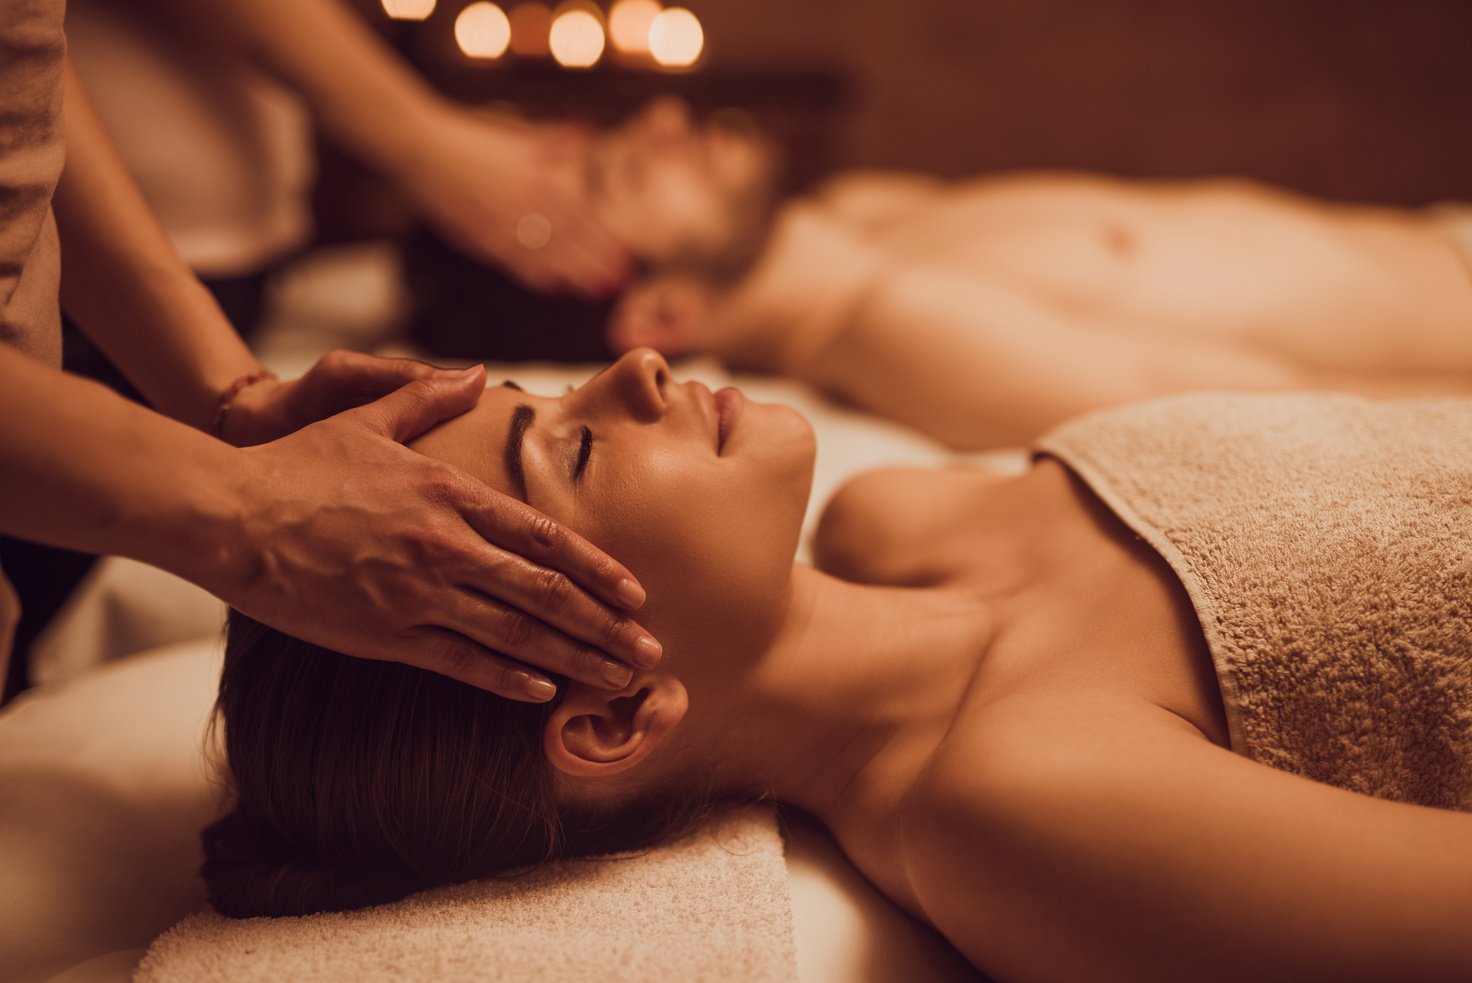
(847, 703)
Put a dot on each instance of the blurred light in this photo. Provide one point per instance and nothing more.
(576, 39)
(675, 38)
(534, 230)
(530, 25)
(408, 9)
(628, 25)
(483, 31)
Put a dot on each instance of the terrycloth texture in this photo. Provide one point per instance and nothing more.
(711, 907)
(1454, 219)
(1326, 543)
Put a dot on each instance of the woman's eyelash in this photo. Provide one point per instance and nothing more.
(585, 451)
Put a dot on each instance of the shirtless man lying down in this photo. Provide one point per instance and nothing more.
(1022, 300)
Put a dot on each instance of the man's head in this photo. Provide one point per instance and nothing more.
(685, 196)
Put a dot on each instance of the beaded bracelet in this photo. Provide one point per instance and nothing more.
(227, 398)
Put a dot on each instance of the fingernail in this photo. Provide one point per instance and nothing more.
(647, 652)
(540, 690)
(616, 675)
(629, 594)
(465, 373)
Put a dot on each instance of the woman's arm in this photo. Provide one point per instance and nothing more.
(1103, 848)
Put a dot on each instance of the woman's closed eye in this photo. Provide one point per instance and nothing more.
(585, 451)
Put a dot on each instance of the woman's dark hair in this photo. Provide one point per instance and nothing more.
(358, 782)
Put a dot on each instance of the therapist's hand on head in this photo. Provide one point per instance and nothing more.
(352, 541)
(341, 380)
(490, 186)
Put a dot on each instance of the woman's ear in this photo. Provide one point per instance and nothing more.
(594, 733)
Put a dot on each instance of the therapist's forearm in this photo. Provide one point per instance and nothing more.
(87, 470)
(126, 286)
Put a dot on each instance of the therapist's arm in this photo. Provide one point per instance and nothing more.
(133, 295)
(126, 287)
(472, 177)
(336, 534)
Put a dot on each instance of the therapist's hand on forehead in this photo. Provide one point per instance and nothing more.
(350, 540)
(335, 532)
(327, 528)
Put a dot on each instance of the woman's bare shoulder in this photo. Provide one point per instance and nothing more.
(893, 526)
(1069, 839)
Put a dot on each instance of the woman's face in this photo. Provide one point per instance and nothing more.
(700, 494)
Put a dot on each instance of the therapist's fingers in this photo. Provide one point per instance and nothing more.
(569, 251)
(580, 249)
(367, 377)
(410, 410)
(539, 615)
(512, 632)
(453, 655)
(518, 528)
(341, 380)
(587, 256)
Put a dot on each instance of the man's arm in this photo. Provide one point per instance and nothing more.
(978, 364)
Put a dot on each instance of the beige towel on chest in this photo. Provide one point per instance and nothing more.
(713, 906)
(1326, 544)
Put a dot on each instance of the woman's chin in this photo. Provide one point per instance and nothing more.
(786, 433)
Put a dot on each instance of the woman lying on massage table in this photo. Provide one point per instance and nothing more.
(985, 311)
(996, 696)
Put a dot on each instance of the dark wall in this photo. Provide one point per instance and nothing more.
(1366, 99)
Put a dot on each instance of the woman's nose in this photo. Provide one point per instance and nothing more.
(637, 381)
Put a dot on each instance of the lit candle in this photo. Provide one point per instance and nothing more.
(628, 25)
(408, 9)
(676, 38)
(482, 30)
(576, 38)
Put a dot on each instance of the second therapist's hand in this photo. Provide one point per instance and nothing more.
(352, 541)
(510, 193)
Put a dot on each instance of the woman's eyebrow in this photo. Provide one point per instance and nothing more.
(511, 384)
(521, 420)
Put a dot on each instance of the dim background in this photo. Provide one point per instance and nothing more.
(1349, 99)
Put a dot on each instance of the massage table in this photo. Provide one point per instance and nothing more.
(105, 787)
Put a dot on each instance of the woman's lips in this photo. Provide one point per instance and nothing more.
(729, 403)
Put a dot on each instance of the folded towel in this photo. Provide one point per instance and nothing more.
(1454, 220)
(1326, 545)
(713, 906)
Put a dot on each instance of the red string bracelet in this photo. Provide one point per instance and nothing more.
(227, 398)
